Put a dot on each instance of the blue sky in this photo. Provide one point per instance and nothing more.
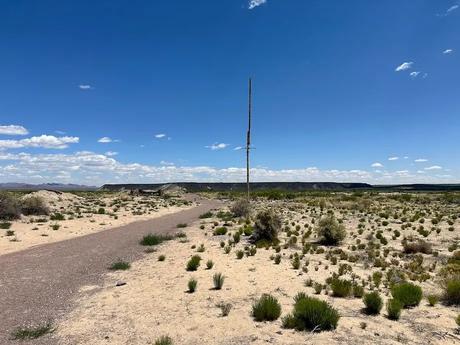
(364, 91)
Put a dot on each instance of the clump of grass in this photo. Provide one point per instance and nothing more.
(32, 332)
(225, 308)
(239, 254)
(164, 340)
(181, 225)
(193, 263)
(394, 309)
(161, 257)
(267, 308)
(408, 294)
(153, 240)
(57, 216)
(206, 215)
(192, 284)
(419, 246)
(209, 264)
(452, 292)
(341, 287)
(311, 314)
(120, 265)
(55, 226)
(330, 230)
(267, 226)
(9, 233)
(5, 225)
(218, 280)
(373, 303)
(432, 300)
(220, 231)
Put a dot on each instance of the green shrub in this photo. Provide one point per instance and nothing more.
(57, 216)
(452, 292)
(209, 264)
(193, 263)
(181, 225)
(241, 208)
(432, 300)
(239, 254)
(373, 303)
(206, 215)
(341, 287)
(267, 308)
(5, 225)
(267, 226)
(358, 291)
(220, 231)
(161, 258)
(312, 314)
(32, 332)
(394, 309)
(408, 294)
(9, 207)
(164, 340)
(277, 259)
(153, 240)
(120, 265)
(330, 231)
(218, 280)
(34, 205)
(192, 284)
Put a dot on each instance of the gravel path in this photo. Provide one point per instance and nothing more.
(39, 284)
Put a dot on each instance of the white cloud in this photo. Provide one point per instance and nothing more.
(452, 8)
(217, 146)
(421, 160)
(85, 87)
(111, 153)
(255, 3)
(448, 51)
(160, 136)
(377, 165)
(414, 74)
(167, 163)
(106, 140)
(44, 141)
(13, 130)
(393, 158)
(434, 167)
(238, 148)
(404, 66)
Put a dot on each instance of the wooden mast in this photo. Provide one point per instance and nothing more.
(248, 138)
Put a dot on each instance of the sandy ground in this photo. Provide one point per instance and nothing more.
(155, 301)
(31, 231)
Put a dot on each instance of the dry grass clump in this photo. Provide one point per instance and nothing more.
(267, 226)
(330, 231)
(416, 246)
(9, 207)
(241, 208)
(34, 205)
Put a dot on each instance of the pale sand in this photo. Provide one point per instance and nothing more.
(28, 233)
(155, 302)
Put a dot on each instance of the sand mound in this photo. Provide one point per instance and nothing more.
(52, 197)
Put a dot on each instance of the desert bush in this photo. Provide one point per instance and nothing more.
(419, 246)
(164, 340)
(452, 292)
(267, 308)
(432, 300)
(153, 240)
(311, 314)
(341, 287)
(220, 231)
(277, 259)
(394, 309)
(408, 294)
(161, 258)
(120, 265)
(5, 225)
(57, 216)
(9, 207)
(32, 332)
(241, 208)
(225, 308)
(192, 284)
(206, 215)
(373, 303)
(209, 264)
(193, 263)
(218, 280)
(267, 226)
(330, 230)
(239, 254)
(34, 205)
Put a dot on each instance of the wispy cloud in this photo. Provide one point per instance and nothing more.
(13, 130)
(217, 146)
(449, 10)
(255, 3)
(160, 135)
(377, 165)
(111, 153)
(44, 141)
(238, 148)
(434, 167)
(404, 66)
(85, 87)
(393, 158)
(421, 160)
(106, 140)
(166, 163)
(414, 74)
(448, 51)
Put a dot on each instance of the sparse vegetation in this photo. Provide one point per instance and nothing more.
(330, 231)
(267, 308)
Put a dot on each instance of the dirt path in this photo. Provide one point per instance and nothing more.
(40, 283)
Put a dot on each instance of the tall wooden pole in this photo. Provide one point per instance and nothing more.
(248, 138)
